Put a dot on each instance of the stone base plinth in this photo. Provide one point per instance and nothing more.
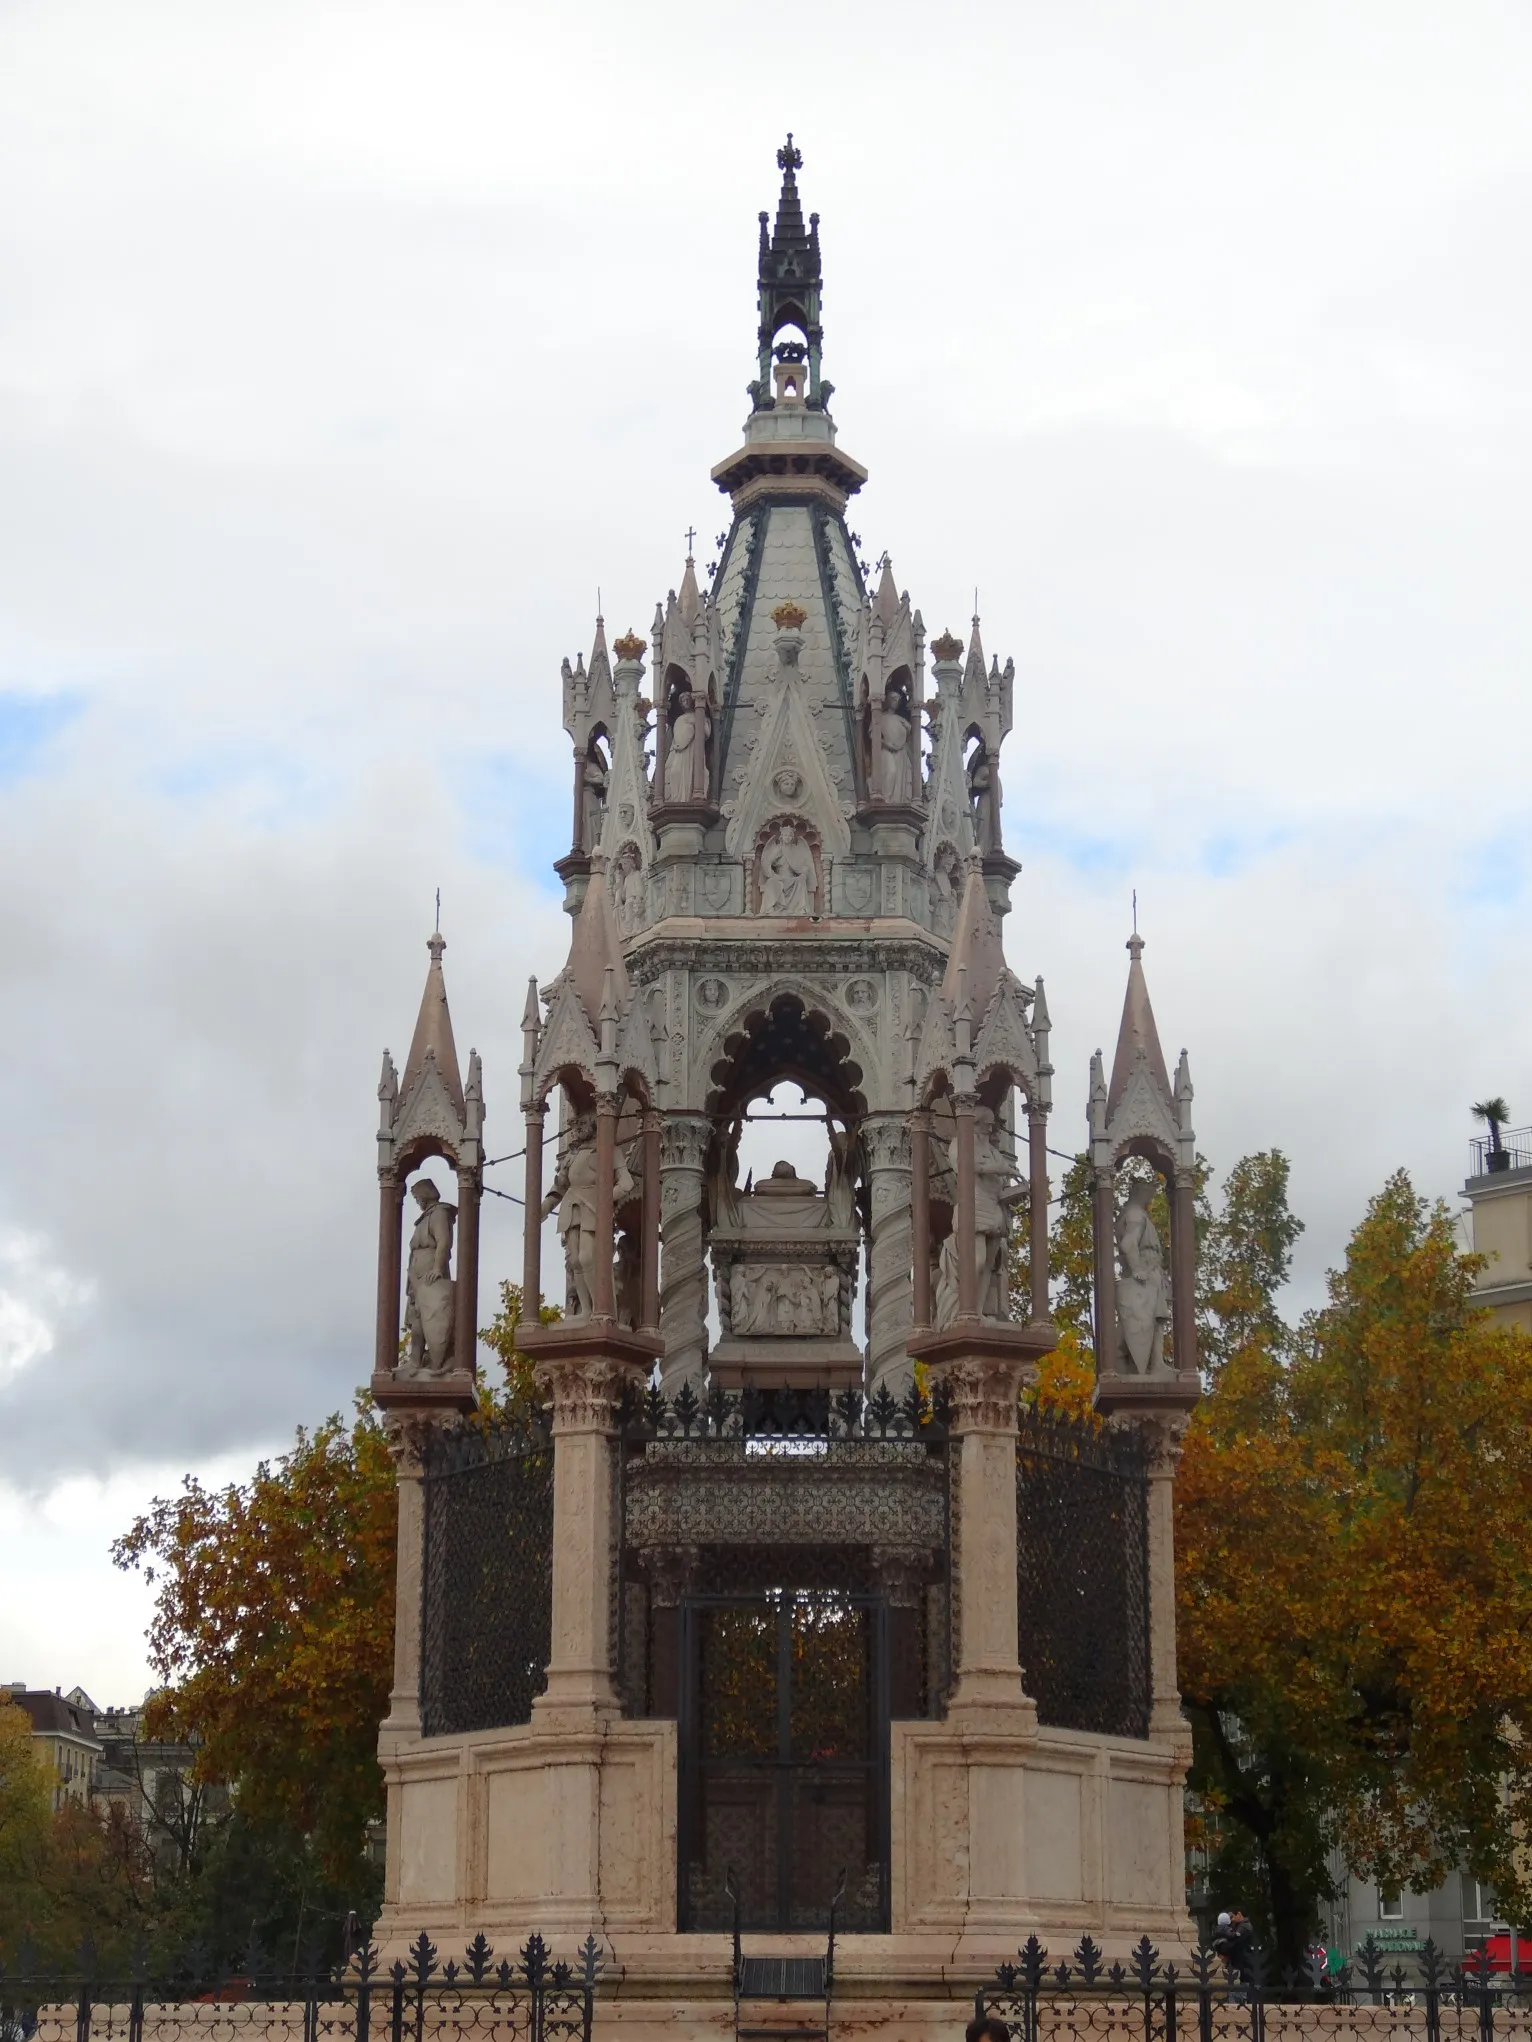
(786, 1363)
(998, 1830)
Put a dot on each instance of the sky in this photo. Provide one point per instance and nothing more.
(346, 351)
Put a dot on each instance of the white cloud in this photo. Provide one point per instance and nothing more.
(347, 349)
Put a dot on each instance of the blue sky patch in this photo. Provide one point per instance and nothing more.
(28, 726)
(516, 815)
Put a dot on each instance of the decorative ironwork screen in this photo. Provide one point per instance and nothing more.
(487, 1611)
(1082, 1575)
(765, 1490)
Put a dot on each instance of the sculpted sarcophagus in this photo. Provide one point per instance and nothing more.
(784, 1272)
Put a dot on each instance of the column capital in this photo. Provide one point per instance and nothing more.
(407, 1433)
(584, 1394)
(984, 1389)
(684, 1140)
(886, 1140)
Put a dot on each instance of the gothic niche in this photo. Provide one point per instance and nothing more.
(1143, 1288)
(430, 1309)
(687, 737)
(627, 888)
(998, 1189)
(946, 889)
(787, 876)
(888, 737)
(595, 778)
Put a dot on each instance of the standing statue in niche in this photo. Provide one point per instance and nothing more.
(430, 1293)
(946, 883)
(594, 777)
(984, 793)
(1143, 1296)
(893, 764)
(630, 895)
(573, 1198)
(686, 753)
(996, 1191)
(787, 872)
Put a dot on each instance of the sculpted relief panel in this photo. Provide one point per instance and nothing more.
(781, 1298)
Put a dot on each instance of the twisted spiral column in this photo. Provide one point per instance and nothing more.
(886, 1146)
(683, 1273)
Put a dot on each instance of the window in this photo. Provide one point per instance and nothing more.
(1390, 1906)
(1478, 1901)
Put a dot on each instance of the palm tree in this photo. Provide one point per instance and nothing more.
(1494, 1113)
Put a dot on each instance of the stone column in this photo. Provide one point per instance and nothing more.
(1104, 1232)
(1163, 1434)
(406, 1433)
(965, 1218)
(1183, 1271)
(1037, 1208)
(532, 1217)
(606, 1166)
(649, 1267)
(920, 1218)
(683, 1275)
(984, 1389)
(584, 1391)
(886, 1146)
(390, 1270)
(465, 1337)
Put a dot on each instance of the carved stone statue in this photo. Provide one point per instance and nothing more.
(783, 1299)
(430, 1293)
(893, 775)
(594, 776)
(946, 880)
(996, 1190)
(787, 872)
(681, 752)
(984, 792)
(629, 894)
(1143, 1296)
(573, 1197)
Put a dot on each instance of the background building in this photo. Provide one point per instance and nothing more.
(1499, 1193)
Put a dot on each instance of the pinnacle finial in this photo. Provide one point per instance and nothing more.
(789, 158)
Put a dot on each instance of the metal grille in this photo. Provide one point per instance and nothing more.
(784, 1761)
(487, 1610)
(785, 1490)
(1082, 1575)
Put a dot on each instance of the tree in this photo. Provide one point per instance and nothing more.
(1494, 1113)
(1355, 1576)
(26, 1822)
(273, 1632)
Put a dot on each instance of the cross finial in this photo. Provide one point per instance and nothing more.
(691, 533)
(438, 911)
(789, 158)
(1135, 910)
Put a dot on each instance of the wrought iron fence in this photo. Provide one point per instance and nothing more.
(531, 1998)
(487, 1595)
(1082, 1574)
(1429, 2000)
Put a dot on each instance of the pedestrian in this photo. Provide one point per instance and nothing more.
(986, 2028)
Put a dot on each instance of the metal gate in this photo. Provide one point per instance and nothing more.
(783, 1723)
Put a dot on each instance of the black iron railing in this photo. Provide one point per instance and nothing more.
(1513, 1151)
(1250, 2000)
(532, 1997)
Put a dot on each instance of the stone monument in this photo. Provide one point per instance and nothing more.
(786, 1615)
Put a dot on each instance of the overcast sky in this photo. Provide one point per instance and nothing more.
(345, 350)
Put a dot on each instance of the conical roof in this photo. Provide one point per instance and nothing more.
(433, 1031)
(1137, 1032)
(597, 945)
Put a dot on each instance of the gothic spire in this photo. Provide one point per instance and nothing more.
(1137, 1034)
(433, 1031)
(788, 285)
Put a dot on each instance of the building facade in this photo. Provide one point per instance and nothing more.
(1499, 1194)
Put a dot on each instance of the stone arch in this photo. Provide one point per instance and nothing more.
(789, 1033)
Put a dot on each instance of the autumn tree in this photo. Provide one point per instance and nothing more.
(26, 1821)
(1355, 1574)
(273, 1635)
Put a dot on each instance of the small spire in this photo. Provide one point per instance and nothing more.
(689, 601)
(1040, 1018)
(976, 958)
(600, 663)
(974, 670)
(596, 948)
(433, 1031)
(885, 604)
(530, 1014)
(1138, 1035)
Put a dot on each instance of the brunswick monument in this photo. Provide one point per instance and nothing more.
(786, 1600)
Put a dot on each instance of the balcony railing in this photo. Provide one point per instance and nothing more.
(1515, 1152)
